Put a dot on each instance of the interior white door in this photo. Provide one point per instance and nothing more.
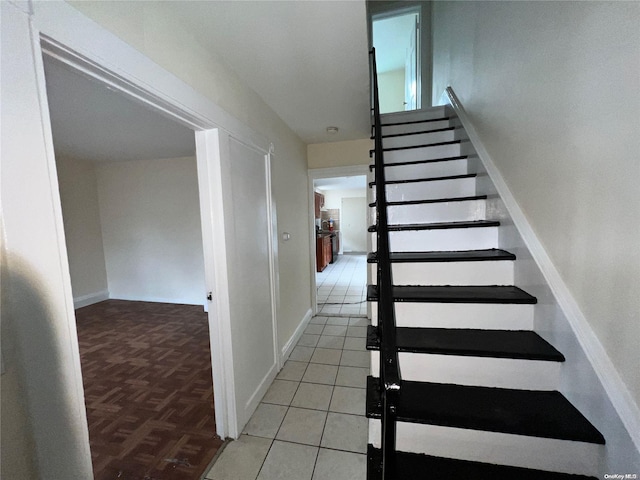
(353, 224)
(250, 276)
(412, 69)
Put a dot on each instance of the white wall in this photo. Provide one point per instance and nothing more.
(150, 214)
(16, 455)
(354, 224)
(333, 198)
(339, 154)
(81, 215)
(349, 240)
(391, 91)
(553, 89)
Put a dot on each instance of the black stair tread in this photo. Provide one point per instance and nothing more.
(426, 145)
(422, 132)
(444, 256)
(434, 200)
(456, 294)
(427, 179)
(412, 466)
(546, 414)
(438, 225)
(415, 162)
(439, 119)
(516, 344)
(412, 147)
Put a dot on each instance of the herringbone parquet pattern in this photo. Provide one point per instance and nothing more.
(148, 390)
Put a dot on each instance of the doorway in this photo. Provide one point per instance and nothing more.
(340, 216)
(128, 186)
(397, 44)
(400, 35)
(50, 357)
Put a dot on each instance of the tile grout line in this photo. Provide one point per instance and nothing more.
(273, 440)
(333, 386)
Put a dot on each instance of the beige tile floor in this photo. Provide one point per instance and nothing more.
(310, 424)
(342, 286)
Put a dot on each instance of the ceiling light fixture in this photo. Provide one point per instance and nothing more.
(332, 130)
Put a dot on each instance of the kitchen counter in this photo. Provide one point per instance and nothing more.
(322, 233)
(327, 248)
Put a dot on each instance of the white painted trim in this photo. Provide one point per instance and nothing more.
(314, 174)
(612, 383)
(72, 38)
(348, 171)
(146, 298)
(90, 299)
(208, 157)
(290, 345)
(254, 400)
(273, 257)
(73, 348)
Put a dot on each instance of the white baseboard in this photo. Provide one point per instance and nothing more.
(264, 385)
(259, 392)
(90, 299)
(612, 383)
(289, 346)
(135, 298)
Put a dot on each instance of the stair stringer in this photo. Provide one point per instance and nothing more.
(587, 377)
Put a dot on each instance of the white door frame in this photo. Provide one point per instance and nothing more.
(273, 258)
(61, 32)
(333, 172)
(208, 166)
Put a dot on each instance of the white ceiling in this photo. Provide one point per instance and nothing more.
(91, 122)
(341, 183)
(391, 41)
(308, 60)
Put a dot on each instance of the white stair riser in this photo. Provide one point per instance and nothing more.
(451, 273)
(497, 448)
(487, 316)
(418, 139)
(432, 190)
(414, 127)
(447, 239)
(424, 153)
(426, 170)
(478, 371)
(437, 212)
(413, 115)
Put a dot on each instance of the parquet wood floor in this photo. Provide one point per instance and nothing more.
(148, 390)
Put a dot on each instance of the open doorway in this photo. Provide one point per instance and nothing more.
(396, 38)
(341, 244)
(128, 184)
(400, 33)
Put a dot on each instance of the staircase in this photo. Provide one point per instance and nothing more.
(476, 390)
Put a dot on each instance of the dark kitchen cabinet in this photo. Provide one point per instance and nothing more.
(323, 252)
(319, 203)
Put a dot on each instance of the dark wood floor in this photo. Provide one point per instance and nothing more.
(148, 390)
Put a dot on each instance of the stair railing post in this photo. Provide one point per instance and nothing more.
(390, 380)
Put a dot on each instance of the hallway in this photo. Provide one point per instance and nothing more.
(342, 286)
(310, 424)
